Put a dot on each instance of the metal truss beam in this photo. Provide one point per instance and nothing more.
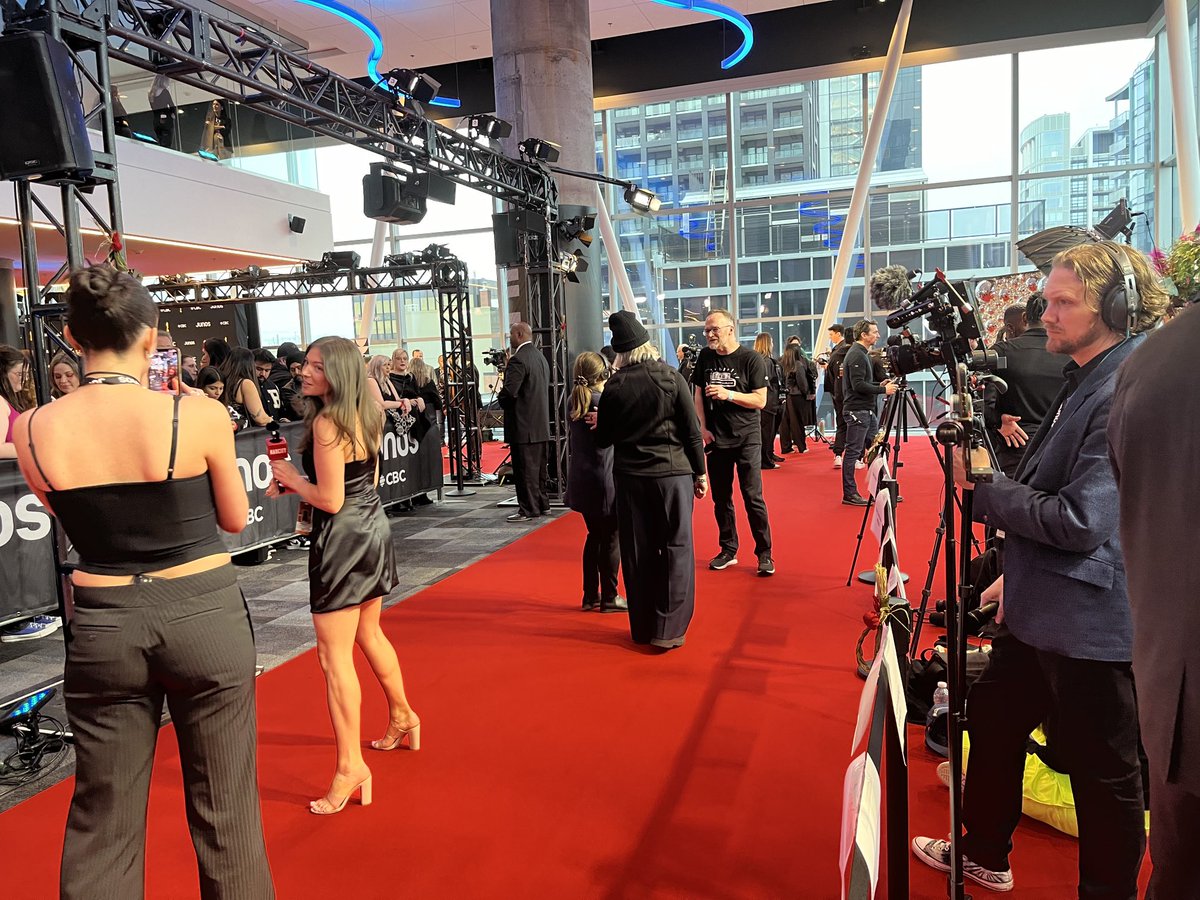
(234, 61)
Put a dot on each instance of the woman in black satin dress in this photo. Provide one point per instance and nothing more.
(352, 563)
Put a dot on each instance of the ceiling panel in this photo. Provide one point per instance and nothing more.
(434, 32)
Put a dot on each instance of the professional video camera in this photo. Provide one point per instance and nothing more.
(497, 359)
(690, 350)
(950, 313)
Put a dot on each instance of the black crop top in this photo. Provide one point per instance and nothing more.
(138, 526)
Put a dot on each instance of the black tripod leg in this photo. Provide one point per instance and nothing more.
(926, 591)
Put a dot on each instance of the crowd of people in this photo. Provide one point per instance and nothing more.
(1088, 600)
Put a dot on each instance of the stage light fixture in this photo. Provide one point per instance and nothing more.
(572, 265)
(577, 228)
(407, 258)
(642, 200)
(417, 85)
(490, 127)
(434, 252)
(540, 150)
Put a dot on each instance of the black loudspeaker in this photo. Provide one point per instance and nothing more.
(506, 227)
(296, 224)
(41, 115)
(387, 199)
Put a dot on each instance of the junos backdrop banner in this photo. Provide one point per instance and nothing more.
(27, 569)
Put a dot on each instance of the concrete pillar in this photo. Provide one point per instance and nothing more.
(542, 51)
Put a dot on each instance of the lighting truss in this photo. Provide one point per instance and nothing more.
(234, 62)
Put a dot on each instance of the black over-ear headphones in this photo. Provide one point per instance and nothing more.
(1121, 304)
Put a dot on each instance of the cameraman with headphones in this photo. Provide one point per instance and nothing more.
(1065, 642)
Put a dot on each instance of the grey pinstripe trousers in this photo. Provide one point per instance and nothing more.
(187, 641)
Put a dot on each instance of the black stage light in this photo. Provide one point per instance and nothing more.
(417, 85)
(434, 252)
(408, 258)
(642, 200)
(572, 265)
(340, 259)
(490, 127)
(578, 228)
(540, 150)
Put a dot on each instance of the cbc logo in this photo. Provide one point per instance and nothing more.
(27, 519)
(388, 479)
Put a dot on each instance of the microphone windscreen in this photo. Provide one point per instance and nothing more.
(890, 287)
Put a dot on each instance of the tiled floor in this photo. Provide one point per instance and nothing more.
(432, 542)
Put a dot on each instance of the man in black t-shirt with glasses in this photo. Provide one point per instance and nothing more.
(730, 388)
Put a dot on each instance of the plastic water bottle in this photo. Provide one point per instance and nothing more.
(941, 701)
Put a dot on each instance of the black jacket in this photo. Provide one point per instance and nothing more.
(647, 415)
(525, 397)
(859, 387)
(590, 475)
(1034, 377)
(775, 385)
(833, 371)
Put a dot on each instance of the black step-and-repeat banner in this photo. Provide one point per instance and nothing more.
(27, 569)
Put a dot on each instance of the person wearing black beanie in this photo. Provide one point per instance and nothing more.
(646, 415)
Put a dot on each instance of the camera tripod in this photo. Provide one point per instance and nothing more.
(892, 436)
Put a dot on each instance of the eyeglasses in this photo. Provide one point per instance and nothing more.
(716, 329)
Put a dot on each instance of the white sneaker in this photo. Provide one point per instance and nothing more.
(837, 462)
(936, 855)
(860, 464)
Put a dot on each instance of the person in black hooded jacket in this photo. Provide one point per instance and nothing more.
(646, 414)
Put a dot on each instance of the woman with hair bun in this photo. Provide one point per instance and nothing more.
(352, 563)
(158, 616)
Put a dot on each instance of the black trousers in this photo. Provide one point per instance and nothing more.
(769, 427)
(601, 557)
(788, 436)
(747, 461)
(839, 437)
(529, 476)
(793, 424)
(1174, 824)
(655, 517)
(186, 641)
(1096, 736)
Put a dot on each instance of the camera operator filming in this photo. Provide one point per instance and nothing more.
(859, 405)
(1065, 642)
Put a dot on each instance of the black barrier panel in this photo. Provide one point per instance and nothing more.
(27, 569)
(405, 469)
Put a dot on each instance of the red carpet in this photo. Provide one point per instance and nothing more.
(559, 761)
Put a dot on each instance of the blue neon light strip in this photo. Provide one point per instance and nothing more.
(367, 27)
(721, 12)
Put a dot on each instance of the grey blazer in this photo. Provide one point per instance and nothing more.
(1064, 577)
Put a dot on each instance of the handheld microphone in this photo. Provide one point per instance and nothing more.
(277, 448)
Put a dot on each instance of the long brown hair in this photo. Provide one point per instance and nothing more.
(350, 407)
(765, 344)
(589, 373)
(9, 357)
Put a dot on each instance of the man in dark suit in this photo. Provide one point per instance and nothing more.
(525, 398)
(1154, 442)
(1034, 377)
(1065, 642)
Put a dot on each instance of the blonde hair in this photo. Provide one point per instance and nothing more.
(375, 367)
(764, 344)
(421, 372)
(641, 353)
(349, 407)
(1095, 265)
(589, 373)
